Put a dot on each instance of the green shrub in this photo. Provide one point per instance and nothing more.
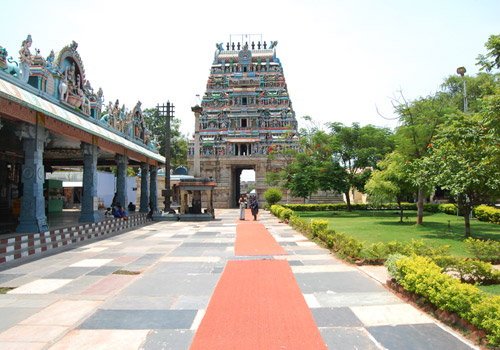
(318, 225)
(266, 206)
(483, 250)
(285, 214)
(377, 251)
(273, 195)
(487, 213)
(486, 315)
(450, 209)
(431, 207)
(422, 276)
(392, 269)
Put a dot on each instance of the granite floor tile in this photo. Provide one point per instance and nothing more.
(6, 277)
(140, 319)
(331, 299)
(191, 302)
(348, 339)
(10, 316)
(416, 337)
(41, 286)
(22, 345)
(338, 282)
(169, 340)
(335, 317)
(31, 333)
(102, 339)
(103, 271)
(78, 285)
(109, 285)
(379, 315)
(70, 272)
(142, 303)
(91, 263)
(62, 313)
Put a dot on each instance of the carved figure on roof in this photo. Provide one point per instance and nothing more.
(8, 65)
(26, 58)
(80, 91)
(138, 120)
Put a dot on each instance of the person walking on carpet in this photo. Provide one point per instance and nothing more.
(254, 206)
(243, 205)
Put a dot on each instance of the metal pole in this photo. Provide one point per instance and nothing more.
(466, 107)
(167, 160)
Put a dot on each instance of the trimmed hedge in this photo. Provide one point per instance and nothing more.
(420, 275)
(487, 213)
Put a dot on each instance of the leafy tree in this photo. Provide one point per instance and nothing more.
(465, 160)
(419, 122)
(178, 142)
(492, 59)
(357, 149)
(302, 176)
(390, 181)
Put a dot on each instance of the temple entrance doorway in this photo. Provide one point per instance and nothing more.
(242, 182)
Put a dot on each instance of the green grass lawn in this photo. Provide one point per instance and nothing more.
(384, 226)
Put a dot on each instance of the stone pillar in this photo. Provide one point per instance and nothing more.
(144, 188)
(32, 217)
(121, 180)
(90, 200)
(153, 187)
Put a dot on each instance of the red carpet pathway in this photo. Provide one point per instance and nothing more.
(257, 304)
(253, 238)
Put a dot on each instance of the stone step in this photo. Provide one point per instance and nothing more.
(27, 245)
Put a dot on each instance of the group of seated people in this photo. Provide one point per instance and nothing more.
(117, 211)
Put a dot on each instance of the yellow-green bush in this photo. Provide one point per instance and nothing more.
(487, 213)
(285, 214)
(483, 250)
(317, 226)
(420, 275)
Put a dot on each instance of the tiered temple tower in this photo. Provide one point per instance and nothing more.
(246, 115)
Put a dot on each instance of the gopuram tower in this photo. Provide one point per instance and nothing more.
(246, 115)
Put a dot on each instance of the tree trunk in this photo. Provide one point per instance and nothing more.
(420, 206)
(466, 210)
(348, 200)
(400, 211)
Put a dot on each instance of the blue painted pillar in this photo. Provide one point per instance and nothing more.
(32, 217)
(153, 187)
(90, 200)
(121, 180)
(144, 188)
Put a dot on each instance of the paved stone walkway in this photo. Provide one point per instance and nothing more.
(72, 300)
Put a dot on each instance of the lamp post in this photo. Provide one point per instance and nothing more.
(197, 111)
(167, 111)
(461, 71)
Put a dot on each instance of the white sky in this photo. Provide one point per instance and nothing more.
(341, 58)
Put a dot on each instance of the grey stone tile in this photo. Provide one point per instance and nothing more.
(335, 317)
(173, 285)
(140, 319)
(78, 285)
(295, 263)
(416, 337)
(13, 315)
(139, 303)
(6, 277)
(205, 234)
(169, 340)
(356, 299)
(322, 262)
(103, 271)
(347, 339)
(192, 302)
(148, 259)
(178, 267)
(70, 272)
(339, 282)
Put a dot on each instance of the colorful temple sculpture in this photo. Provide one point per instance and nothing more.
(246, 114)
(51, 117)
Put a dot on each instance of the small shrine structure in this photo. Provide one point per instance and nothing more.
(246, 114)
(51, 117)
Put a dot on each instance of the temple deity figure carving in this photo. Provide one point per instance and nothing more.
(25, 58)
